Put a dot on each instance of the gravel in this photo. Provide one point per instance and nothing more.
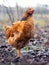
(39, 54)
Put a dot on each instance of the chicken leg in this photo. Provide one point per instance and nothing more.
(18, 53)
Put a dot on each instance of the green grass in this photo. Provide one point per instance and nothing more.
(41, 23)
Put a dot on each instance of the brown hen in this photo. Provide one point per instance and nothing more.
(20, 32)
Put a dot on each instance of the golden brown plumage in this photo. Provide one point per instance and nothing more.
(20, 32)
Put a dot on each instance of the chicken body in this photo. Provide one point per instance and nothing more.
(20, 32)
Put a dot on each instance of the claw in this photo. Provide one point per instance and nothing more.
(18, 59)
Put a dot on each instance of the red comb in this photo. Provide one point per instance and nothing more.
(31, 10)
